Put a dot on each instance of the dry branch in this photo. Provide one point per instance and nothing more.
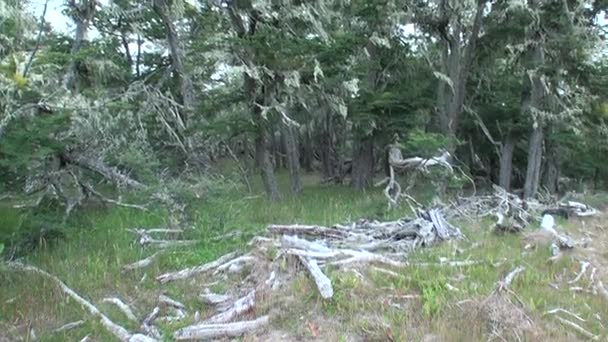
(212, 331)
(121, 333)
(69, 326)
(323, 283)
(504, 284)
(214, 299)
(578, 328)
(164, 300)
(122, 306)
(189, 272)
(141, 263)
(297, 229)
(241, 306)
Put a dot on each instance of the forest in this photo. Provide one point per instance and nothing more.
(269, 170)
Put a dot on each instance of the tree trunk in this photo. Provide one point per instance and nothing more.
(262, 141)
(535, 102)
(265, 163)
(535, 157)
(84, 11)
(187, 91)
(138, 58)
(551, 174)
(293, 158)
(307, 150)
(363, 163)
(506, 162)
(327, 148)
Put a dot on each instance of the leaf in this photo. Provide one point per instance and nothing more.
(313, 329)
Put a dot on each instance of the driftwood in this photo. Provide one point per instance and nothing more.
(69, 326)
(166, 301)
(239, 307)
(141, 263)
(578, 328)
(119, 332)
(122, 306)
(214, 299)
(212, 331)
(323, 283)
(189, 272)
(307, 230)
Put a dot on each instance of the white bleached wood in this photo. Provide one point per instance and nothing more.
(241, 306)
(321, 280)
(213, 331)
(189, 272)
(119, 332)
(122, 306)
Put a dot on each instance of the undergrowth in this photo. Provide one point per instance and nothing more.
(421, 300)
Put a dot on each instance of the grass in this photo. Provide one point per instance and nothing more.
(97, 245)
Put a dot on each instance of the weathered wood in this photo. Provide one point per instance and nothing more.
(241, 306)
(214, 299)
(189, 272)
(122, 306)
(164, 300)
(297, 229)
(288, 241)
(69, 326)
(141, 263)
(212, 331)
(321, 280)
(119, 332)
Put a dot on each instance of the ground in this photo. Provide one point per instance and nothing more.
(421, 303)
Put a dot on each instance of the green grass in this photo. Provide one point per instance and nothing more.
(97, 245)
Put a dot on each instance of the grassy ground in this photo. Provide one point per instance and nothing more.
(420, 304)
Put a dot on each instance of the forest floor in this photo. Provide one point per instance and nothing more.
(421, 303)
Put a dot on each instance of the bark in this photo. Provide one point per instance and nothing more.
(264, 160)
(535, 155)
(125, 45)
(257, 94)
(535, 102)
(551, 172)
(293, 158)
(161, 7)
(456, 62)
(84, 14)
(327, 148)
(506, 162)
(138, 58)
(307, 155)
(363, 163)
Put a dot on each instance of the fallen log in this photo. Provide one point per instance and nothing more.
(189, 272)
(166, 301)
(323, 283)
(241, 306)
(211, 331)
(214, 299)
(119, 332)
(122, 306)
(297, 229)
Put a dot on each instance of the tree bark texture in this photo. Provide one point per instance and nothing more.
(506, 162)
(292, 155)
(363, 163)
(84, 12)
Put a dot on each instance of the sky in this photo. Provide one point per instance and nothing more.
(53, 14)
